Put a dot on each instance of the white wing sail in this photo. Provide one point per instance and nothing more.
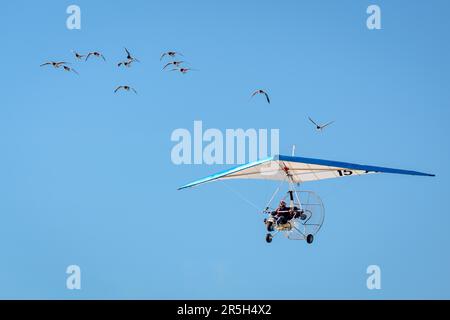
(299, 170)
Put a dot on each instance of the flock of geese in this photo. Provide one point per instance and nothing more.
(176, 64)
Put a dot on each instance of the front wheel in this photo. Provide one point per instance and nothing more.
(309, 238)
(269, 238)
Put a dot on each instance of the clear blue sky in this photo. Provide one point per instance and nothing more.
(86, 176)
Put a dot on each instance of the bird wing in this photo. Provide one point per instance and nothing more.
(45, 64)
(74, 71)
(134, 90)
(267, 97)
(128, 52)
(163, 55)
(118, 88)
(313, 122)
(168, 64)
(255, 93)
(326, 125)
(89, 54)
(103, 57)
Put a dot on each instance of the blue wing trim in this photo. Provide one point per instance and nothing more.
(352, 166)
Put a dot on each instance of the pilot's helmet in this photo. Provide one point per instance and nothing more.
(282, 203)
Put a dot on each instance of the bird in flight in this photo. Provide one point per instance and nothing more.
(171, 54)
(126, 63)
(318, 126)
(173, 63)
(126, 88)
(183, 70)
(69, 69)
(95, 54)
(54, 64)
(129, 56)
(78, 55)
(259, 91)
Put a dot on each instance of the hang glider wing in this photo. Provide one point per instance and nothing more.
(298, 170)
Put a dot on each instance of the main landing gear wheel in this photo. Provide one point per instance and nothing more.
(269, 238)
(309, 238)
(270, 226)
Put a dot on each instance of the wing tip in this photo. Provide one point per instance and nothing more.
(425, 174)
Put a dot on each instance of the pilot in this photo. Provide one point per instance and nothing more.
(282, 213)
